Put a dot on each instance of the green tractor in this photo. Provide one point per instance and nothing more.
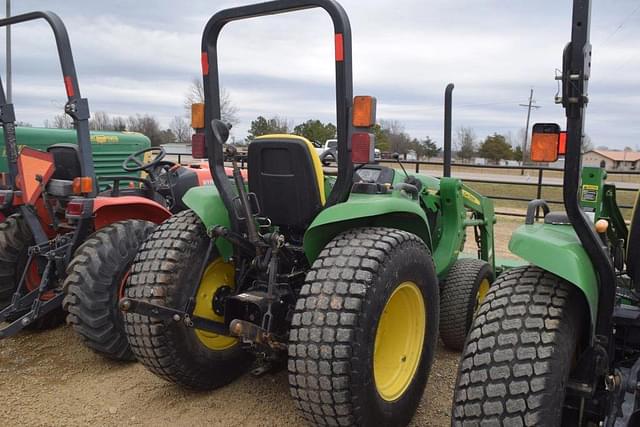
(556, 342)
(339, 277)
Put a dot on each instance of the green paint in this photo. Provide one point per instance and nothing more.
(206, 202)
(451, 228)
(591, 190)
(393, 209)
(109, 148)
(557, 249)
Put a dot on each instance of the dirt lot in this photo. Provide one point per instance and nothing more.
(50, 378)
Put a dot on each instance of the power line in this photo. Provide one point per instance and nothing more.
(620, 26)
(529, 106)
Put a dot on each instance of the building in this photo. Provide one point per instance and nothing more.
(612, 160)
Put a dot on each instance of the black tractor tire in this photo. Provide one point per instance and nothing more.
(93, 286)
(335, 324)
(165, 273)
(520, 350)
(15, 238)
(459, 299)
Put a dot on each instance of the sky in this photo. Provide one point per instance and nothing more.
(139, 58)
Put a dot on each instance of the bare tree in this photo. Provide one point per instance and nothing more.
(399, 141)
(466, 143)
(181, 129)
(100, 121)
(147, 125)
(119, 123)
(59, 121)
(587, 143)
(195, 94)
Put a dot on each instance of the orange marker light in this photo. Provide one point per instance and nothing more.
(602, 225)
(364, 111)
(197, 116)
(545, 140)
(82, 185)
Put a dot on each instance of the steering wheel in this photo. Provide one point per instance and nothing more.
(138, 159)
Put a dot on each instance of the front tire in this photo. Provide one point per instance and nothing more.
(95, 284)
(519, 353)
(165, 273)
(464, 289)
(364, 330)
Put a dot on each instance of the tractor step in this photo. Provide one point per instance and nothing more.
(39, 309)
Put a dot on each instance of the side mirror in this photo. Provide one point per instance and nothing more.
(545, 140)
(220, 130)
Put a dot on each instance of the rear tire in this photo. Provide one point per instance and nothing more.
(15, 238)
(165, 273)
(518, 357)
(367, 287)
(94, 285)
(465, 287)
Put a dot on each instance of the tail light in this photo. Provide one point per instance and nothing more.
(198, 148)
(562, 143)
(75, 208)
(362, 147)
(82, 185)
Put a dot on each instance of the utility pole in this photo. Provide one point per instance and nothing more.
(8, 52)
(529, 106)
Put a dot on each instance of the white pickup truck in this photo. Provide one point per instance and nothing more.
(332, 144)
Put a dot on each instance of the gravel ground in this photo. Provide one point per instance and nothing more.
(50, 379)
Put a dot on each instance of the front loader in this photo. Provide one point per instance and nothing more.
(338, 277)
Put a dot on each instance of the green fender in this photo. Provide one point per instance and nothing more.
(207, 204)
(363, 210)
(557, 249)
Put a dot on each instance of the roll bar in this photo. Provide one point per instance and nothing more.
(575, 75)
(344, 88)
(76, 107)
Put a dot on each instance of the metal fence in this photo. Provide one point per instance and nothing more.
(538, 182)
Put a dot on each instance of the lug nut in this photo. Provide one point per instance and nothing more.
(125, 305)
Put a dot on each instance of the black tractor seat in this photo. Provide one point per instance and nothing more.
(286, 175)
(66, 160)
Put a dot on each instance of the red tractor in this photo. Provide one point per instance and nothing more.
(64, 230)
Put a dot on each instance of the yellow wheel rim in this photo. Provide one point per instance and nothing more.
(483, 290)
(399, 341)
(216, 275)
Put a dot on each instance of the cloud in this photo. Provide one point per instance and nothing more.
(139, 57)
